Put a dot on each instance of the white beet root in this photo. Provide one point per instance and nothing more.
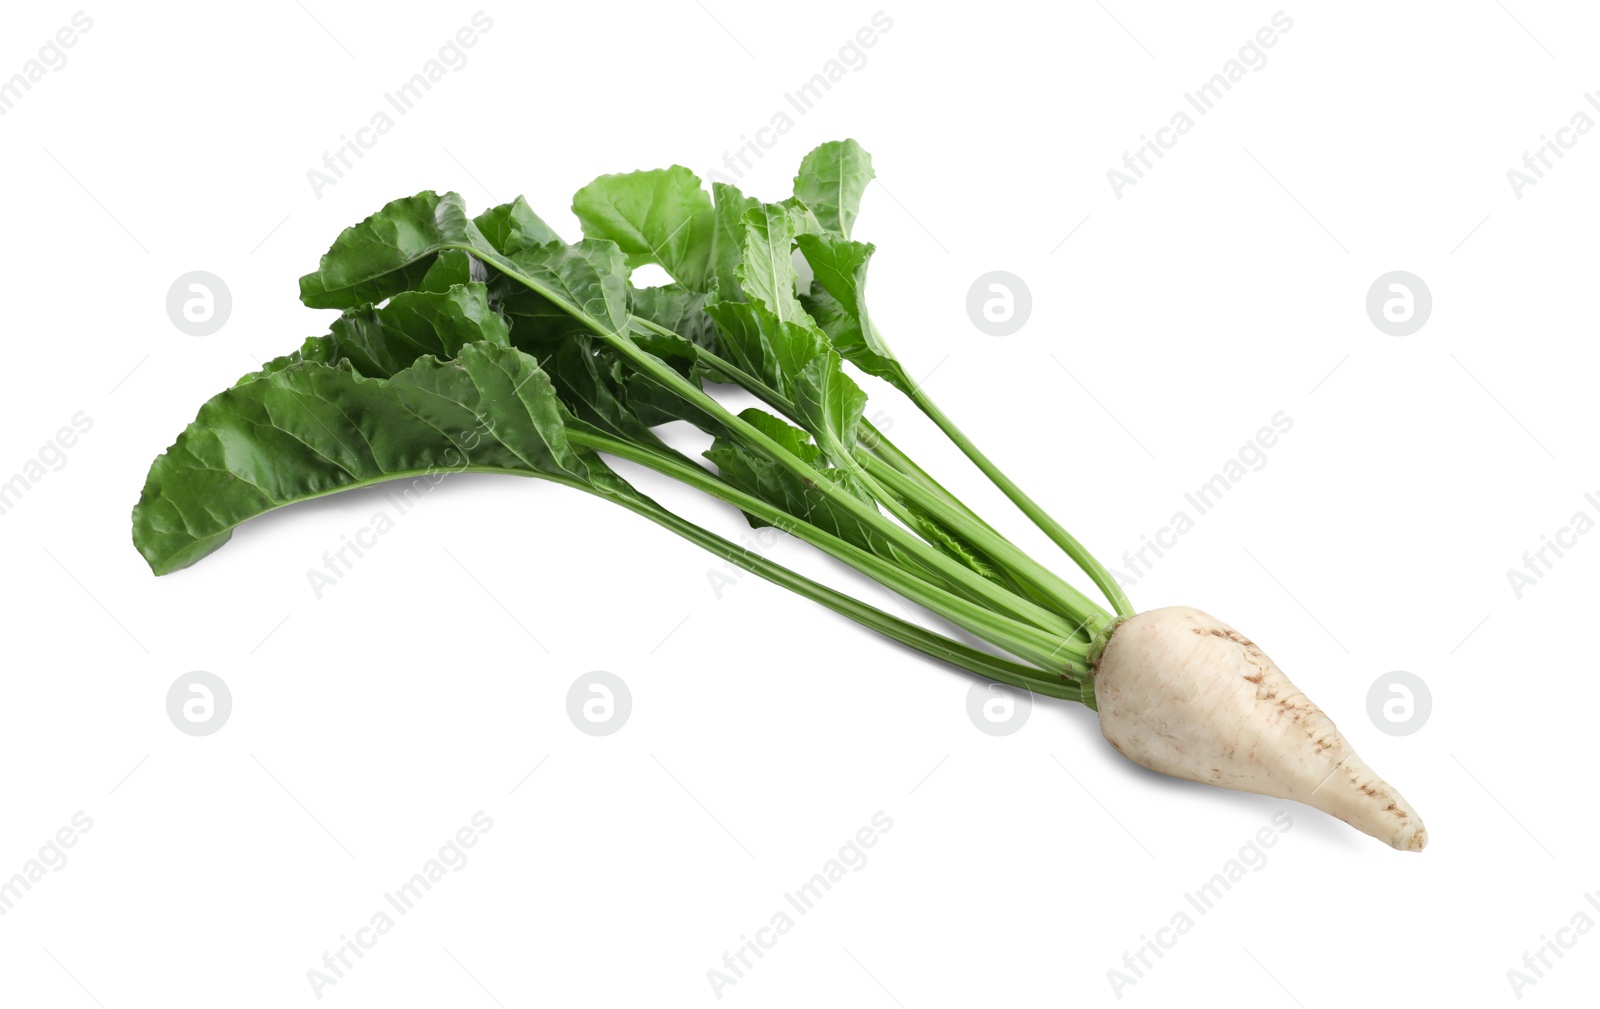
(1181, 692)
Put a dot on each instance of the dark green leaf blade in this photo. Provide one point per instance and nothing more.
(794, 440)
(753, 473)
(390, 251)
(678, 309)
(378, 342)
(595, 390)
(314, 429)
(452, 267)
(586, 280)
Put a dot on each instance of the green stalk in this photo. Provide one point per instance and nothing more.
(969, 581)
(988, 542)
(877, 450)
(668, 377)
(1079, 607)
(923, 640)
(1052, 652)
(879, 445)
(931, 497)
(1063, 539)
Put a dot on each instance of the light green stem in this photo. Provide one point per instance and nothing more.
(1051, 652)
(923, 640)
(1063, 539)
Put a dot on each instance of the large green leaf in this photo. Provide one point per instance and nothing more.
(390, 251)
(313, 429)
(378, 342)
(396, 249)
(794, 440)
(800, 215)
(769, 335)
(571, 283)
(661, 216)
(831, 181)
(510, 227)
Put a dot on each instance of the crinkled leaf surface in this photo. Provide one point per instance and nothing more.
(678, 309)
(753, 473)
(313, 429)
(390, 251)
(381, 341)
(594, 388)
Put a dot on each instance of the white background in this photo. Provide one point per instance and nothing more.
(369, 725)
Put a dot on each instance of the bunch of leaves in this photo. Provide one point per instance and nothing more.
(491, 344)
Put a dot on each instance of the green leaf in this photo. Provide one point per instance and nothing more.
(572, 281)
(655, 404)
(755, 474)
(757, 341)
(390, 251)
(661, 216)
(727, 238)
(829, 405)
(535, 320)
(830, 316)
(678, 309)
(378, 342)
(831, 181)
(592, 386)
(840, 267)
(766, 274)
(452, 267)
(586, 280)
(313, 429)
(793, 439)
(512, 227)
(800, 215)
